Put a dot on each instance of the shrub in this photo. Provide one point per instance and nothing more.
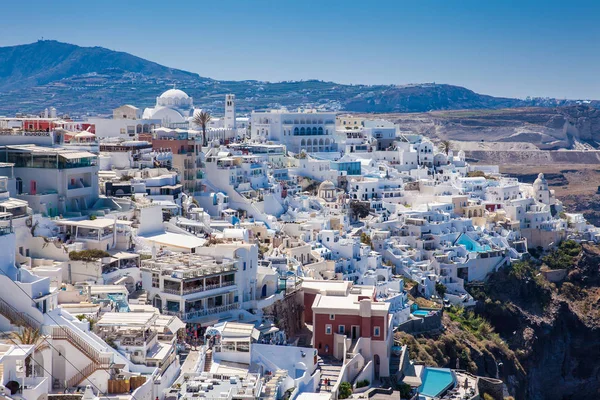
(564, 256)
(570, 291)
(441, 289)
(363, 383)
(365, 239)
(87, 255)
(404, 389)
(345, 390)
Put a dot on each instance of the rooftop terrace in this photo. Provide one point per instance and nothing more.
(185, 266)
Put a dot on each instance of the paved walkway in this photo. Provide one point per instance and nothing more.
(190, 361)
(394, 396)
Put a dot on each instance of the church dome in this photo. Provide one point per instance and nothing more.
(540, 180)
(326, 185)
(174, 94)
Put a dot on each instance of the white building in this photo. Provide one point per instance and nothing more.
(173, 107)
(308, 130)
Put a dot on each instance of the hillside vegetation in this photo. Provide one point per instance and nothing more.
(541, 338)
(79, 80)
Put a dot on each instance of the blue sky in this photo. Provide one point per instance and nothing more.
(503, 48)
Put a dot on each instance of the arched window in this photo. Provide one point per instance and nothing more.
(314, 131)
(302, 131)
(327, 142)
(296, 131)
(309, 142)
(320, 142)
(320, 130)
(138, 129)
(303, 142)
(146, 128)
(303, 122)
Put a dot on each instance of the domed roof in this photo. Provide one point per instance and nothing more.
(540, 179)
(327, 185)
(174, 94)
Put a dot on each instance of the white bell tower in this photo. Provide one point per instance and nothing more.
(229, 112)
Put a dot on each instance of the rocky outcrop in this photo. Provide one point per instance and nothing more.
(554, 332)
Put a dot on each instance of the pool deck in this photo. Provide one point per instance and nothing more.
(460, 390)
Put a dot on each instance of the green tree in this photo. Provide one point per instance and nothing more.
(445, 146)
(359, 209)
(441, 289)
(30, 336)
(202, 119)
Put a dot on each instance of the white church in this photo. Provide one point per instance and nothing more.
(172, 107)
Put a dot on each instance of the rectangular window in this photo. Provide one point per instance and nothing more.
(331, 317)
(244, 265)
(376, 331)
(341, 329)
(328, 329)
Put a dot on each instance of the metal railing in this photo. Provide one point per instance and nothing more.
(64, 333)
(202, 313)
(16, 317)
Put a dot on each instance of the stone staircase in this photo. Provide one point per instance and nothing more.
(330, 369)
(208, 360)
(394, 364)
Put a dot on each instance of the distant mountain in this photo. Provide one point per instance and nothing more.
(49, 61)
(94, 80)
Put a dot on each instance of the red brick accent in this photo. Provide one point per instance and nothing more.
(323, 341)
(309, 299)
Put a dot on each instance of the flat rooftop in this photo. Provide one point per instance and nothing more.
(175, 240)
(189, 265)
(129, 319)
(341, 304)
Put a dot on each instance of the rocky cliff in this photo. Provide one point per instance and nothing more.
(541, 338)
(554, 329)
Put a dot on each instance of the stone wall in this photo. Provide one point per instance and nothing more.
(554, 275)
(419, 325)
(493, 387)
(287, 313)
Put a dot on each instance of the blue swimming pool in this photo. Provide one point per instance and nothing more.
(420, 313)
(435, 381)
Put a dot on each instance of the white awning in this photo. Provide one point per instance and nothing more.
(172, 323)
(127, 319)
(77, 154)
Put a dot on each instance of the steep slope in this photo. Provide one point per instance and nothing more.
(48, 61)
(554, 329)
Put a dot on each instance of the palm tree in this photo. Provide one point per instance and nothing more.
(445, 146)
(202, 119)
(30, 336)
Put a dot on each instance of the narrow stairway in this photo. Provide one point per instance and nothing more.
(330, 369)
(208, 360)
